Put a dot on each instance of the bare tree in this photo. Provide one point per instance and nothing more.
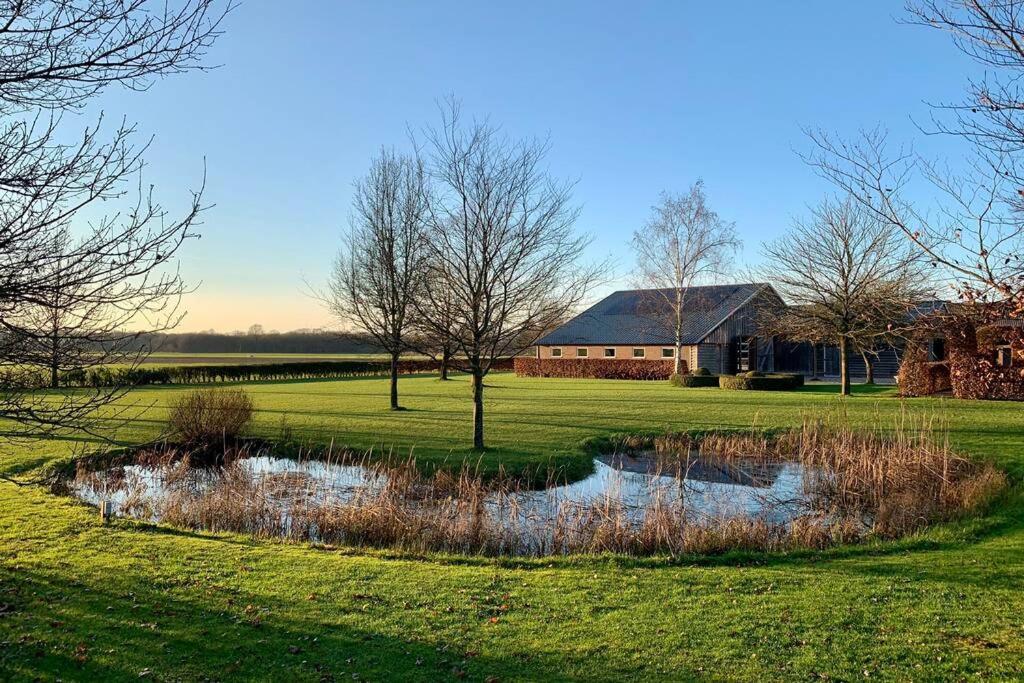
(684, 243)
(976, 236)
(502, 246)
(841, 272)
(380, 270)
(55, 56)
(86, 318)
(441, 312)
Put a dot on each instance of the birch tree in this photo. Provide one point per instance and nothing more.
(684, 243)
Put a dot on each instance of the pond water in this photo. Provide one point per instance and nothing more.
(709, 490)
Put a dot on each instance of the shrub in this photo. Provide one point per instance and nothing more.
(762, 382)
(208, 417)
(755, 373)
(702, 372)
(695, 380)
(594, 368)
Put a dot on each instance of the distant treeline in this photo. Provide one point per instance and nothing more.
(278, 342)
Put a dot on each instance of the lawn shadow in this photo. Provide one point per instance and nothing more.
(189, 624)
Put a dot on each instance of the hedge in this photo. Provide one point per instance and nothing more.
(761, 382)
(595, 368)
(694, 381)
(208, 374)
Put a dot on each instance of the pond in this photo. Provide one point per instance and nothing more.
(335, 501)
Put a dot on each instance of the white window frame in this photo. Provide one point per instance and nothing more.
(556, 352)
(671, 352)
(582, 352)
(642, 354)
(607, 349)
(1004, 351)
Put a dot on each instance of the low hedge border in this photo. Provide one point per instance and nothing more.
(761, 382)
(694, 381)
(594, 368)
(211, 374)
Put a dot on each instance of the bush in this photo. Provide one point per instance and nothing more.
(755, 373)
(702, 372)
(694, 381)
(594, 368)
(762, 382)
(208, 417)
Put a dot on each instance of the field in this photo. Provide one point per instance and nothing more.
(82, 601)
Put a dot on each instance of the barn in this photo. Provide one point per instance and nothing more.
(720, 328)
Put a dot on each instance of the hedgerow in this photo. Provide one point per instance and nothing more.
(210, 374)
(761, 382)
(694, 380)
(595, 368)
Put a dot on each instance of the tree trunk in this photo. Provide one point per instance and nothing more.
(676, 367)
(844, 368)
(869, 369)
(478, 409)
(814, 361)
(445, 358)
(394, 382)
(55, 361)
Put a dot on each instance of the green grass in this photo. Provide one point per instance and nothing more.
(82, 601)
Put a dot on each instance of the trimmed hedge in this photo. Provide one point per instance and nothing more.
(694, 381)
(210, 374)
(761, 382)
(594, 368)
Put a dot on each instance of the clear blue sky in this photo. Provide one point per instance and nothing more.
(636, 97)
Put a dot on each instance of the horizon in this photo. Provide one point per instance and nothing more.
(634, 103)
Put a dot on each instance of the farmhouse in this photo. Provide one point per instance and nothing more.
(720, 329)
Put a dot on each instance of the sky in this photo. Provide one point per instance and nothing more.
(636, 98)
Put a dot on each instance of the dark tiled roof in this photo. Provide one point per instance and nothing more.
(929, 307)
(643, 316)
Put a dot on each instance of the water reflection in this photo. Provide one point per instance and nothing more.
(708, 489)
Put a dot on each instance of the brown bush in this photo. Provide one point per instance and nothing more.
(595, 368)
(208, 417)
(920, 377)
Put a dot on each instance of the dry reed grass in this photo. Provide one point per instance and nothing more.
(856, 485)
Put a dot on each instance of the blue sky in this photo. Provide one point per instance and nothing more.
(636, 98)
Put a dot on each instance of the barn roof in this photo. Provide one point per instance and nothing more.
(643, 316)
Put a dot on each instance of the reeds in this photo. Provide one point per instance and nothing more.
(854, 485)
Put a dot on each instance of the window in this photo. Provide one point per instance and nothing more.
(1004, 356)
(639, 353)
(668, 352)
(581, 353)
(556, 353)
(938, 350)
(609, 353)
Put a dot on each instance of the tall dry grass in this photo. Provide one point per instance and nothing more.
(856, 485)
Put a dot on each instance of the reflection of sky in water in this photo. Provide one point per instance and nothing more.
(709, 490)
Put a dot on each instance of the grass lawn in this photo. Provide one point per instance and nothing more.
(81, 601)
